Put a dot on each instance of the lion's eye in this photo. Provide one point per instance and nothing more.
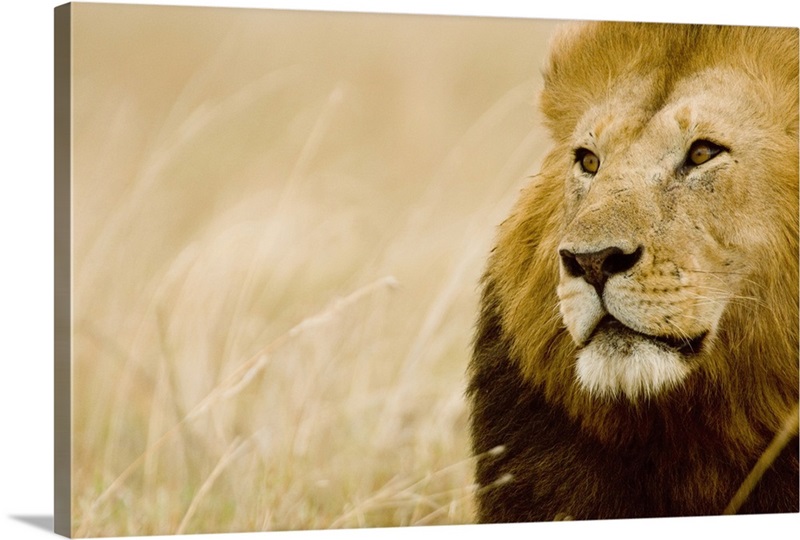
(702, 151)
(590, 163)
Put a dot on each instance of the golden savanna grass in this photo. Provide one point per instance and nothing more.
(279, 223)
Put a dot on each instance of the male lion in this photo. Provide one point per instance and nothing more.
(637, 347)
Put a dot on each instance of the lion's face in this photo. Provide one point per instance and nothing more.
(667, 214)
(655, 255)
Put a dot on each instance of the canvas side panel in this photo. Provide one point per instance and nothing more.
(63, 252)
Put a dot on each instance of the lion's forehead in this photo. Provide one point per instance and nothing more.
(636, 119)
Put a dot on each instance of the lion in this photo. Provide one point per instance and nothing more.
(637, 344)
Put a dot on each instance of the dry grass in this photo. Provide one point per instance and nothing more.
(279, 223)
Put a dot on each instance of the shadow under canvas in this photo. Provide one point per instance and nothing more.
(40, 522)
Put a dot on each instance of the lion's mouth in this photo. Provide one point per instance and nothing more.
(612, 328)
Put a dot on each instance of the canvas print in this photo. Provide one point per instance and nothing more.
(322, 270)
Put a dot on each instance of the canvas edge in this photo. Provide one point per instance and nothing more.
(62, 271)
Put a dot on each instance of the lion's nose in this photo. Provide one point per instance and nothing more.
(597, 266)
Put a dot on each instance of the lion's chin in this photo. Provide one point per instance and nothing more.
(618, 361)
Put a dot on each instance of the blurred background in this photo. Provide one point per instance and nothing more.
(279, 224)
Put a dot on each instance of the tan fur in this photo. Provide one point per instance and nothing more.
(720, 243)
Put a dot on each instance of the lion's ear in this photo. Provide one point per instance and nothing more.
(557, 101)
(579, 58)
